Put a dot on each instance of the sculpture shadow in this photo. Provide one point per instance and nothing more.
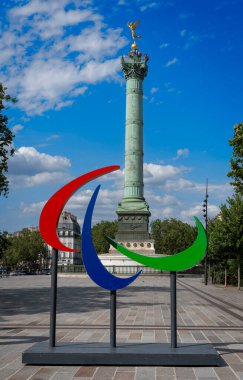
(74, 299)
(21, 339)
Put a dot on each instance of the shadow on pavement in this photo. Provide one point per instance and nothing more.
(75, 299)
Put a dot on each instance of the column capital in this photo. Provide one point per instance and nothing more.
(134, 67)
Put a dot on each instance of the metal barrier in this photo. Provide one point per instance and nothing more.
(126, 270)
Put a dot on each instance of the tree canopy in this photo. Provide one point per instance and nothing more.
(226, 236)
(3, 243)
(231, 215)
(172, 235)
(6, 139)
(236, 161)
(99, 231)
(27, 249)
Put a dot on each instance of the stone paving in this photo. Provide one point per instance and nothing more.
(205, 315)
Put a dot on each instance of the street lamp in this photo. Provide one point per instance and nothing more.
(205, 215)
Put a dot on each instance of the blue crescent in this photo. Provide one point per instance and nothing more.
(94, 267)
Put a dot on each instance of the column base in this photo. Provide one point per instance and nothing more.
(133, 205)
(133, 231)
(145, 247)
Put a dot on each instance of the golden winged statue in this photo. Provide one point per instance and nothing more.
(132, 26)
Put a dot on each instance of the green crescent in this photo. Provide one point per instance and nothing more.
(180, 261)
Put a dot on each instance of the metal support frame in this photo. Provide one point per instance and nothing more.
(173, 310)
(205, 215)
(100, 353)
(53, 311)
(113, 318)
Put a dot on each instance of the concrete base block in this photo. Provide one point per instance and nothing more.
(129, 354)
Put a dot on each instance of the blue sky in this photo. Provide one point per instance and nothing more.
(61, 59)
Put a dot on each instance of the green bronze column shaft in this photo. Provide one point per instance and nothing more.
(134, 139)
(134, 69)
(133, 211)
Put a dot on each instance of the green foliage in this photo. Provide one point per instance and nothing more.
(226, 238)
(232, 222)
(172, 235)
(99, 231)
(236, 162)
(3, 243)
(26, 250)
(218, 247)
(232, 271)
(6, 139)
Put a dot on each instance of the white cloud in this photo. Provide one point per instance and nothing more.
(16, 128)
(154, 90)
(66, 103)
(187, 215)
(32, 208)
(68, 45)
(151, 5)
(182, 153)
(163, 200)
(26, 181)
(158, 174)
(33, 7)
(79, 91)
(171, 62)
(179, 184)
(164, 45)
(28, 168)
(27, 160)
(94, 43)
(183, 33)
(53, 137)
(169, 87)
(191, 40)
(167, 212)
(94, 71)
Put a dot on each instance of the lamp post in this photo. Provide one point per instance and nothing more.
(205, 215)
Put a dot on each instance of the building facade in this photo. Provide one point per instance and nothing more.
(68, 231)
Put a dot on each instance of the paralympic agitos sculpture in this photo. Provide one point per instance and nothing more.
(97, 272)
(103, 353)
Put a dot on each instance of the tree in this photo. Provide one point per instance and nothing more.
(232, 222)
(99, 231)
(172, 235)
(3, 243)
(236, 162)
(218, 248)
(27, 249)
(226, 238)
(6, 139)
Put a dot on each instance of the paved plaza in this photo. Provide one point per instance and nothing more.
(205, 315)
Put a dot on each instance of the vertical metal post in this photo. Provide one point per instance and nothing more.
(173, 309)
(53, 311)
(205, 210)
(113, 319)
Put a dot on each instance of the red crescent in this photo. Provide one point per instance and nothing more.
(52, 210)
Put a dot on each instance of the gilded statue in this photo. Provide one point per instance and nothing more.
(132, 26)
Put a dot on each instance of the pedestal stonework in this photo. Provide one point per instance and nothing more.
(133, 211)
